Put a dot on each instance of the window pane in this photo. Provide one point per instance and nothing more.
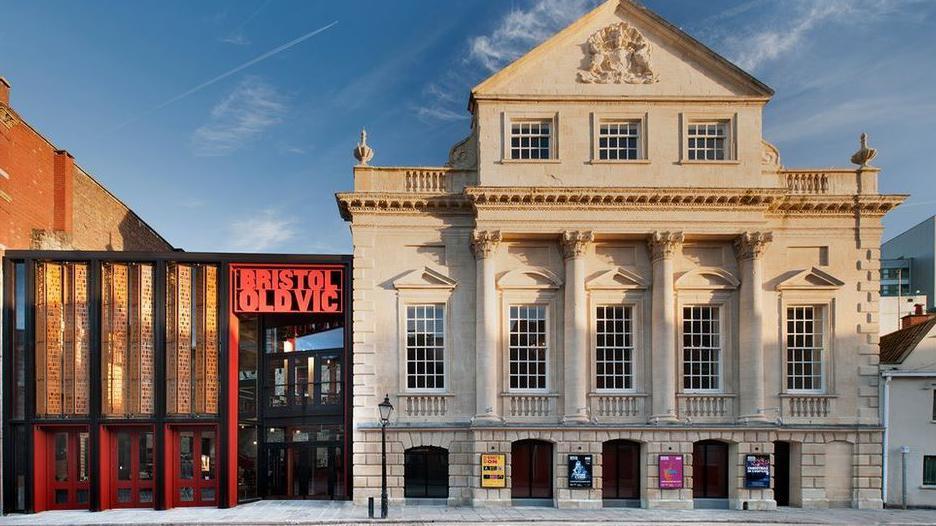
(530, 140)
(804, 348)
(929, 470)
(701, 348)
(192, 339)
(528, 347)
(619, 140)
(613, 366)
(425, 347)
(707, 141)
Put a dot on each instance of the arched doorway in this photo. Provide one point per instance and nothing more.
(425, 473)
(710, 474)
(531, 472)
(620, 473)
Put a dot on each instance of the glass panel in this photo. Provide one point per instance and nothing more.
(61, 457)
(186, 494)
(192, 339)
(61, 496)
(124, 495)
(83, 457)
(305, 337)
(123, 457)
(207, 494)
(207, 455)
(82, 496)
(19, 341)
(146, 456)
(247, 462)
(186, 457)
(146, 495)
(248, 345)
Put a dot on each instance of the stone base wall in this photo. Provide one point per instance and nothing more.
(851, 472)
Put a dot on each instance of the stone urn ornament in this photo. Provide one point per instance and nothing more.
(865, 153)
(362, 152)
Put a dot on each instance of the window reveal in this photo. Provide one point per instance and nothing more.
(528, 347)
(619, 141)
(804, 348)
(62, 339)
(425, 346)
(701, 348)
(127, 339)
(192, 339)
(530, 139)
(614, 351)
(708, 141)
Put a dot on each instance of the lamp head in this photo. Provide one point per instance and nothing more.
(385, 408)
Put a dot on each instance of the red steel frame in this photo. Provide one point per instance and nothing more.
(44, 483)
(107, 476)
(174, 480)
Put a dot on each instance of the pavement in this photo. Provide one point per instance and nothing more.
(270, 512)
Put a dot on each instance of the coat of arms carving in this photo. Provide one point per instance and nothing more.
(618, 54)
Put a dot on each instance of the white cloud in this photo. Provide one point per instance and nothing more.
(262, 231)
(522, 29)
(243, 115)
(237, 39)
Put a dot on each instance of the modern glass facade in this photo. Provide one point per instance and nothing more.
(159, 380)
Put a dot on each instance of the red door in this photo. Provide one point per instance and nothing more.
(531, 469)
(196, 471)
(69, 477)
(132, 461)
(710, 470)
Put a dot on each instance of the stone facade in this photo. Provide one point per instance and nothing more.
(666, 234)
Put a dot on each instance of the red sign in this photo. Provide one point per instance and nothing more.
(293, 289)
(671, 471)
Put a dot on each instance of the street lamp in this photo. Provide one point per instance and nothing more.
(385, 409)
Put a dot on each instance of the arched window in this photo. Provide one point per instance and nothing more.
(425, 473)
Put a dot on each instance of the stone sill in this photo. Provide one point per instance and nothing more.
(530, 161)
(620, 161)
(716, 163)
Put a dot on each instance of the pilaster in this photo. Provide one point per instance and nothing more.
(750, 248)
(574, 246)
(663, 247)
(484, 245)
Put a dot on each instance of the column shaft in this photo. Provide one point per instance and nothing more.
(485, 244)
(663, 247)
(576, 342)
(750, 247)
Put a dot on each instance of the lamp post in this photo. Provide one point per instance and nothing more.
(385, 409)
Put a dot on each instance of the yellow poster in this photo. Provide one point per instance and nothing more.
(493, 471)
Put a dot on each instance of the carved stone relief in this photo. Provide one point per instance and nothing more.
(617, 54)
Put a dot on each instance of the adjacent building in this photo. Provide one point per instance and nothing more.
(915, 249)
(48, 202)
(615, 294)
(908, 370)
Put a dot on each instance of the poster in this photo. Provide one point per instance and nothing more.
(756, 471)
(671, 471)
(493, 471)
(580, 471)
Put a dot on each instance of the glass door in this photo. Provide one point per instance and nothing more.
(69, 480)
(132, 460)
(196, 468)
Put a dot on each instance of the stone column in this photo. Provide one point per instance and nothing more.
(484, 244)
(575, 349)
(663, 246)
(750, 248)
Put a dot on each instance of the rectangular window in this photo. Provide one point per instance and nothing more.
(425, 346)
(708, 141)
(701, 348)
(614, 350)
(804, 348)
(934, 405)
(929, 470)
(528, 347)
(619, 141)
(531, 139)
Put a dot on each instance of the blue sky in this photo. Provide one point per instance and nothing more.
(250, 161)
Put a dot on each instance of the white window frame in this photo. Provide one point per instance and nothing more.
(724, 299)
(824, 353)
(411, 297)
(636, 340)
(731, 143)
(405, 329)
(542, 297)
(548, 350)
(509, 118)
(597, 119)
(721, 347)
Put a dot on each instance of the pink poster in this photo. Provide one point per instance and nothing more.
(671, 471)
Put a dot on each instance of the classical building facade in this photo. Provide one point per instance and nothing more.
(614, 293)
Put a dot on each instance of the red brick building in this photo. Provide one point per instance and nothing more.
(48, 202)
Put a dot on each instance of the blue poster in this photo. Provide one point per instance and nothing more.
(580, 471)
(757, 471)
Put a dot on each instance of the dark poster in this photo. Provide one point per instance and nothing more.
(580, 471)
(756, 471)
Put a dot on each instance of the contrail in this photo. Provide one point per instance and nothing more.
(225, 75)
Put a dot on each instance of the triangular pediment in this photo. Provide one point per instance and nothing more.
(810, 279)
(707, 278)
(529, 278)
(616, 279)
(424, 278)
(621, 48)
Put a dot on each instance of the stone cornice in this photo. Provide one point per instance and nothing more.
(8, 117)
(771, 201)
(617, 197)
(350, 203)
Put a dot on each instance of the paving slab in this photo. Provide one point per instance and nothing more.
(272, 512)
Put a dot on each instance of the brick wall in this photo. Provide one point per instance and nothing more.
(48, 202)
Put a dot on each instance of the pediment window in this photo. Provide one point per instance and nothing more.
(617, 278)
(707, 278)
(424, 278)
(529, 278)
(810, 279)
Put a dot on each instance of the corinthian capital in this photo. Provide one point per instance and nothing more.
(751, 245)
(484, 243)
(665, 244)
(574, 243)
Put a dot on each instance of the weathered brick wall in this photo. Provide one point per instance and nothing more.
(47, 202)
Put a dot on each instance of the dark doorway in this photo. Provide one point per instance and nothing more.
(196, 473)
(531, 470)
(304, 471)
(620, 472)
(425, 473)
(69, 476)
(710, 470)
(782, 473)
